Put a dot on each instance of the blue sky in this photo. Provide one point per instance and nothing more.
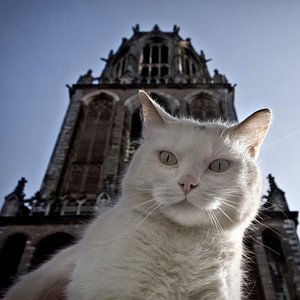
(48, 44)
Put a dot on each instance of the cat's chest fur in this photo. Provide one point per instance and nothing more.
(176, 263)
(158, 261)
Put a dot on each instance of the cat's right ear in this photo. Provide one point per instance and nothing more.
(153, 114)
(254, 129)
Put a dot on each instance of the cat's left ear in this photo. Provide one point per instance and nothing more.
(153, 114)
(254, 129)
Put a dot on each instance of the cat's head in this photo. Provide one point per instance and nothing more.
(195, 173)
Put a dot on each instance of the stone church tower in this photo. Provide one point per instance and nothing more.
(99, 135)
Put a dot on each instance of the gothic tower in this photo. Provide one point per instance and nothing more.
(99, 135)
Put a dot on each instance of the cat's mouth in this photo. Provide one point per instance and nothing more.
(184, 203)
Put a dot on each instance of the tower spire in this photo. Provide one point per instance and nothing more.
(276, 200)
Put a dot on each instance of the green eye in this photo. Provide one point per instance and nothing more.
(219, 165)
(167, 158)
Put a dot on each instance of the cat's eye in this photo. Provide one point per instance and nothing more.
(219, 165)
(167, 158)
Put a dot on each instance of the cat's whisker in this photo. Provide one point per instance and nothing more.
(138, 193)
(149, 208)
(217, 223)
(265, 225)
(145, 212)
(225, 214)
(213, 221)
(156, 207)
(144, 203)
(229, 205)
(257, 241)
(231, 195)
(280, 209)
(220, 226)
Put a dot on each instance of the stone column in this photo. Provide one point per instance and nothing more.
(26, 258)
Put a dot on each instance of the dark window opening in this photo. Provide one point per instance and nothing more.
(193, 68)
(277, 264)
(164, 54)
(123, 65)
(135, 133)
(161, 101)
(154, 71)
(136, 125)
(145, 71)
(164, 71)
(10, 257)
(155, 61)
(157, 40)
(210, 114)
(187, 67)
(155, 57)
(146, 54)
(118, 69)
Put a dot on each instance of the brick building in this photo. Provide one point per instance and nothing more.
(99, 135)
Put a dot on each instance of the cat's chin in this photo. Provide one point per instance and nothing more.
(186, 214)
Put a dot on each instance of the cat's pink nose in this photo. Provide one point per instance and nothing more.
(187, 183)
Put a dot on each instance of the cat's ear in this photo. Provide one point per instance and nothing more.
(153, 114)
(254, 129)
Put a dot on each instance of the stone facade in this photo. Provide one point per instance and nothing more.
(99, 135)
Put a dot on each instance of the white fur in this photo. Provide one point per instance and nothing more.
(150, 246)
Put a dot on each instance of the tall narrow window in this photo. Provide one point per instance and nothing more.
(204, 108)
(155, 57)
(135, 133)
(190, 62)
(123, 65)
(277, 264)
(164, 54)
(146, 54)
(145, 72)
(155, 62)
(187, 66)
(88, 149)
(164, 71)
(193, 68)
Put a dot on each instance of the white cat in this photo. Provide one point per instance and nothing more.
(190, 192)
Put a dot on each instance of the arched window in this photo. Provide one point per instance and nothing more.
(135, 133)
(190, 63)
(155, 61)
(161, 101)
(204, 108)
(277, 263)
(49, 245)
(87, 153)
(10, 257)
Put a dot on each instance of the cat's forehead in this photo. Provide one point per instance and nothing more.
(196, 128)
(187, 135)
